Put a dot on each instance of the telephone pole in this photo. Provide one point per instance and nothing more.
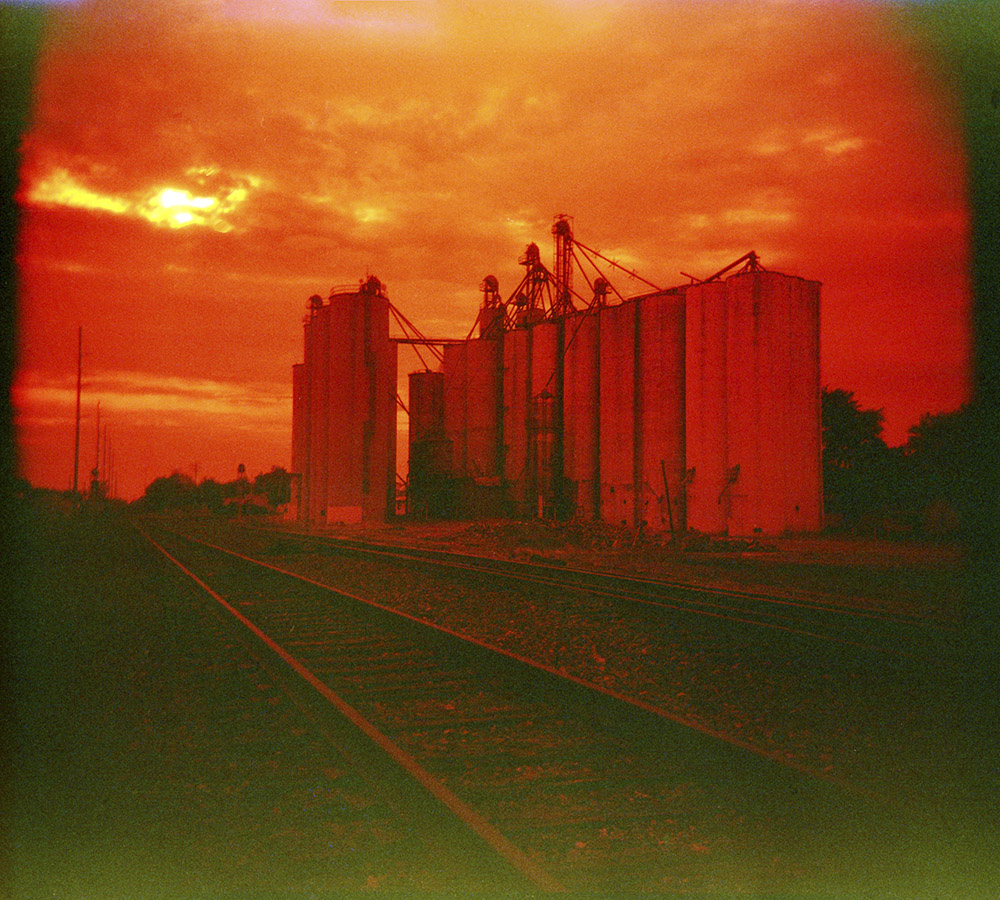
(79, 373)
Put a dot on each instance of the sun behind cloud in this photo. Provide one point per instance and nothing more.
(168, 207)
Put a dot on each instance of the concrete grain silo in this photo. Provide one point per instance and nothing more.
(772, 404)
(581, 420)
(804, 473)
(429, 482)
(317, 366)
(472, 422)
(696, 407)
(300, 428)
(482, 408)
(455, 405)
(617, 402)
(516, 408)
(349, 378)
(544, 415)
(705, 407)
(642, 412)
(659, 434)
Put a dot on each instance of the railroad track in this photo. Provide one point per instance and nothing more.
(892, 636)
(568, 783)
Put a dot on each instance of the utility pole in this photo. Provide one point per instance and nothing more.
(97, 447)
(79, 373)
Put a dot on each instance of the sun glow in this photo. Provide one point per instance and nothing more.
(177, 208)
(167, 207)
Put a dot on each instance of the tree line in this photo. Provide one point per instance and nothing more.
(928, 486)
(925, 487)
(178, 492)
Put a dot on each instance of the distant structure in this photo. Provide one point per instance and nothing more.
(344, 408)
(690, 408)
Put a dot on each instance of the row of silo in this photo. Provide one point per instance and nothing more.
(696, 407)
(344, 408)
(581, 415)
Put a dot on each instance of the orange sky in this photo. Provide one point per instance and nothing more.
(196, 170)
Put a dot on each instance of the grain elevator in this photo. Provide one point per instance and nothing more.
(689, 408)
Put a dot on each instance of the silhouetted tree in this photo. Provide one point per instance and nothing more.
(860, 473)
(276, 485)
(209, 495)
(172, 492)
(941, 468)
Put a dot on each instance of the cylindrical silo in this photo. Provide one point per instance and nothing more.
(361, 406)
(516, 404)
(804, 504)
(705, 407)
(758, 373)
(482, 405)
(300, 425)
(618, 407)
(471, 399)
(659, 426)
(318, 363)
(581, 391)
(426, 406)
(542, 450)
(543, 415)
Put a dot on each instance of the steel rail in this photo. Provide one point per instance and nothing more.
(469, 817)
(510, 567)
(556, 576)
(552, 671)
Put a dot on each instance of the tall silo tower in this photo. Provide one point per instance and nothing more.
(344, 408)
(773, 422)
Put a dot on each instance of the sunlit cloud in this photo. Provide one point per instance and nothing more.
(169, 207)
(832, 141)
(756, 215)
(142, 393)
(835, 148)
(520, 228)
(59, 188)
(365, 214)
